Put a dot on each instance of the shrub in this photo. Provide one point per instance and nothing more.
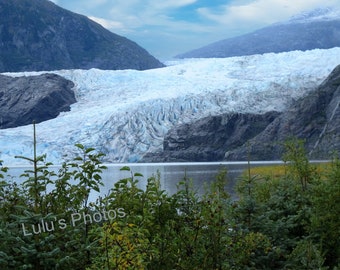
(288, 220)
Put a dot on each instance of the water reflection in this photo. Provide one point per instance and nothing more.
(170, 174)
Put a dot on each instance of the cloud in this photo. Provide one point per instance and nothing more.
(137, 15)
(260, 11)
(128, 16)
(173, 26)
(170, 4)
(144, 12)
(94, 3)
(107, 23)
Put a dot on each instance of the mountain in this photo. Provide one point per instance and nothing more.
(315, 119)
(33, 98)
(318, 28)
(126, 114)
(38, 35)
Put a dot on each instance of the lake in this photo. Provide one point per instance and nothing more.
(170, 174)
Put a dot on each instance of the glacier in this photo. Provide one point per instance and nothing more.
(126, 113)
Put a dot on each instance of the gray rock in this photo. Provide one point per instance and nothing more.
(37, 35)
(314, 119)
(34, 98)
(208, 138)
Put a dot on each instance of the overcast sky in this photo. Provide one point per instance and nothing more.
(169, 27)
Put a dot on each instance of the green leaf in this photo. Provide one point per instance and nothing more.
(97, 177)
(125, 168)
(88, 150)
(26, 158)
(80, 146)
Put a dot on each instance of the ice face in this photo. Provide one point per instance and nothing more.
(127, 113)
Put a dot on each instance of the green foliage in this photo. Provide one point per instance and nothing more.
(325, 221)
(290, 221)
(306, 255)
(36, 223)
(298, 212)
(298, 163)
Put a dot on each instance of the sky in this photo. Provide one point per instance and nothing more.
(166, 28)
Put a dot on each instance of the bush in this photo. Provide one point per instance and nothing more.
(284, 221)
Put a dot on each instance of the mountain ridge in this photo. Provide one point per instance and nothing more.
(300, 33)
(318, 14)
(37, 35)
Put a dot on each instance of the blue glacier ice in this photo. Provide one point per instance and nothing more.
(126, 113)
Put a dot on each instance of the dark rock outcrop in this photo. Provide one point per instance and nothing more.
(315, 119)
(302, 34)
(34, 98)
(208, 138)
(37, 35)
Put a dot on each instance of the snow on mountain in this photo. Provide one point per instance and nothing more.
(318, 14)
(127, 113)
(316, 29)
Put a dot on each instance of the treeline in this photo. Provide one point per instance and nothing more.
(290, 221)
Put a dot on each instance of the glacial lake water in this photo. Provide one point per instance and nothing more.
(201, 173)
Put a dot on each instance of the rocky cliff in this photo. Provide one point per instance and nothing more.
(315, 119)
(34, 98)
(208, 138)
(38, 35)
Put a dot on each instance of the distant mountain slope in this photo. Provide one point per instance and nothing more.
(316, 29)
(38, 35)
